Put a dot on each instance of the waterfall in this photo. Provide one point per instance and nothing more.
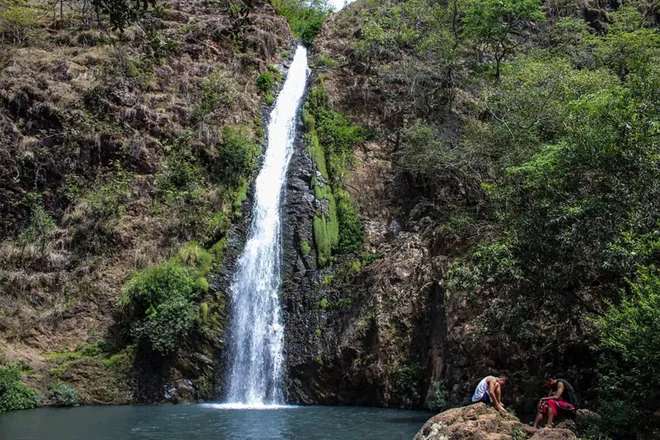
(257, 331)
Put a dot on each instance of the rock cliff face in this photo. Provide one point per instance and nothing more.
(390, 345)
(110, 161)
(405, 340)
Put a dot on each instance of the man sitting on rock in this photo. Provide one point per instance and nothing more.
(489, 390)
(560, 401)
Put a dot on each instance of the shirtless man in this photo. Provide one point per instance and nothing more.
(489, 390)
(560, 401)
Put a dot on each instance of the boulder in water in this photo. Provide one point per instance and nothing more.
(553, 434)
(473, 422)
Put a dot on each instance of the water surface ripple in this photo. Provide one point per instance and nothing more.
(210, 422)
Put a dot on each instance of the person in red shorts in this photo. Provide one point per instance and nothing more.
(560, 401)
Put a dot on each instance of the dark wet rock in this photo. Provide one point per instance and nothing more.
(568, 424)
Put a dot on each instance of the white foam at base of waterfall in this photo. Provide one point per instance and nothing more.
(244, 406)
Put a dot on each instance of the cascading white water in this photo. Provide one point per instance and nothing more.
(257, 332)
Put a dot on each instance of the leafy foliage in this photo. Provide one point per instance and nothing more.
(574, 209)
(547, 182)
(336, 133)
(216, 90)
(323, 60)
(18, 22)
(266, 82)
(330, 139)
(630, 352)
(14, 394)
(158, 303)
(494, 22)
(236, 155)
(433, 162)
(182, 174)
(304, 17)
(409, 378)
(41, 224)
(64, 395)
(95, 213)
(440, 396)
(305, 248)
(351, 233)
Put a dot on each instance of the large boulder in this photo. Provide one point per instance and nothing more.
(553, 434)
(483, 422)
(474, 422)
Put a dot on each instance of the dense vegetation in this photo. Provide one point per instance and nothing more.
(304, 17)
(64, 395)
(161, 305)
(14, 394)
(534, 129)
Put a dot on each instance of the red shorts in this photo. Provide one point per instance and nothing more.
(558, 407)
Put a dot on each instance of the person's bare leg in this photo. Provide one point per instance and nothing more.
(539, 417)
(550, 417)
(498, 392)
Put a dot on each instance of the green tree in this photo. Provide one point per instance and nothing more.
(122, 13)
(630, 346)
(304, 17)
(568, 205)
(627, 47)
(497, 24)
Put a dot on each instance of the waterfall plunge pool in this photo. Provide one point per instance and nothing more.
(211, 422)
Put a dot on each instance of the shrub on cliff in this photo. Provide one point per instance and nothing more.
(64, 395)
(14, 394)
(159, 304)
(94, 216)
(216, 91)
(17, 22)
(236, 154)
(122, 13)
(266, 82)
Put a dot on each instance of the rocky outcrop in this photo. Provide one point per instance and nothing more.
(553, 434)
(482, 422)
(406, 339)
(90, 128)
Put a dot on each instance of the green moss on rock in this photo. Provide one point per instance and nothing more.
(338, 227)
(305, 248)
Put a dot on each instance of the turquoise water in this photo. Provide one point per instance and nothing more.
(196, 422)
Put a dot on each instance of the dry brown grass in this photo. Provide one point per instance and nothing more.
(58, 293)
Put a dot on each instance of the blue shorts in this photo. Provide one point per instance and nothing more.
(485, 398)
